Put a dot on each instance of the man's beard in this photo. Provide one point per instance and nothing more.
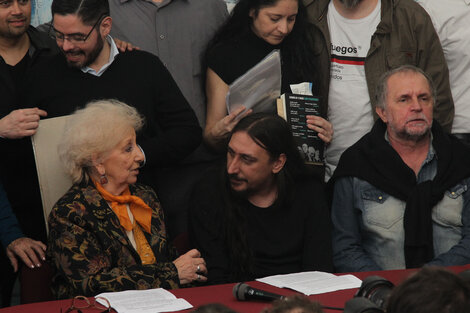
(415, 135)
(90, 58)
(14, 32)
(349, 4)
(243, 194)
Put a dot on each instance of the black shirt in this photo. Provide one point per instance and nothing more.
(233, 58)
(282, 239)
(18, 71)
(137, 78)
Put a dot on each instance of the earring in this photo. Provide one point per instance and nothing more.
(103, 179)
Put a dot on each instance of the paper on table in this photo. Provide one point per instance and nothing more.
(311, 283)
(144, 301)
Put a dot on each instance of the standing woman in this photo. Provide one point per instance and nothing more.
(255, 28)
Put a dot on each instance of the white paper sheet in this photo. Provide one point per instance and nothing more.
(311, 283)
(144, 301)
(258, 88)
(304, 88)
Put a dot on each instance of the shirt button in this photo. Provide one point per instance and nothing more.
(162, 37)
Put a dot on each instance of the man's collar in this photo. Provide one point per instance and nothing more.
(467, 2)
(112, 55)
(431, 151)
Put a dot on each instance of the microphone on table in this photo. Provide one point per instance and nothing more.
(243, 292)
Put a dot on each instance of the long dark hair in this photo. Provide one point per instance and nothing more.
(273, 134)
(296, 48)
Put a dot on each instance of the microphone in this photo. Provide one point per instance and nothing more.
(243, 292)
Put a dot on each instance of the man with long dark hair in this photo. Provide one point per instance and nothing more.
(260, 215)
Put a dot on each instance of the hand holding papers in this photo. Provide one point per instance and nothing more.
(144, 301)
(310, 283)
(258, 88)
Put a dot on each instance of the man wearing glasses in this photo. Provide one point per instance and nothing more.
(177, 32)
(90, 67)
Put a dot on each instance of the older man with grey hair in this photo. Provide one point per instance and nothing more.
(400, 193)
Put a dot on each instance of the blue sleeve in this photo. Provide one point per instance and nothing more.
(460, 253)
(9, 227)
(348, 253)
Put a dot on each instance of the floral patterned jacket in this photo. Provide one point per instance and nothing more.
(92, 253)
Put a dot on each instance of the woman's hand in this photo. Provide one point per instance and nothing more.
(191, 267)
(218, 123)
(321, 126)
(225, 126)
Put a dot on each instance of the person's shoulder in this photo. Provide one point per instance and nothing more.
(308, 184)
(50, 63)
(74, 200)
(223, 49)
(212, 5)
(308, 188)
(138, 55)
(41, 38)
(208, 189)
(144, 192)
(410, 9)
(140, 59)
(211, 177)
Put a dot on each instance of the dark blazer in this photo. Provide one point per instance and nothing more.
(92, 253)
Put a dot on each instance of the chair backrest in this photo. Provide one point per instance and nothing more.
(36, 283)
(53, 181)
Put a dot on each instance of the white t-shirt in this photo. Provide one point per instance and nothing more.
(451, 18)
(349, 108)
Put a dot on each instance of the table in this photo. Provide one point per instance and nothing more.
(223, 294)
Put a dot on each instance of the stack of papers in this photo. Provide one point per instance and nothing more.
(311, 283)
(258, 88)
(144, 301)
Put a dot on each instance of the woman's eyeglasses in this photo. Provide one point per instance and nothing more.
(80, 303)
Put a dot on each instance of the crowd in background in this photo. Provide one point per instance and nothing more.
(145, 83)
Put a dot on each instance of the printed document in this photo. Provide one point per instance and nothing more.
(144, 301)
(312, 283)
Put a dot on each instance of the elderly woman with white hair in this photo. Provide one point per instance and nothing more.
(107, 233)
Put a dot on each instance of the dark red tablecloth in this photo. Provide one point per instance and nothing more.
(223, 294)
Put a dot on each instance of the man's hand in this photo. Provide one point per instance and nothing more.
(28, 250)
(21, 123)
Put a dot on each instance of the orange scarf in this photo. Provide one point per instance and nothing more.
(142, 215)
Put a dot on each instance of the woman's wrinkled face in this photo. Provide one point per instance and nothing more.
(274, 23)
(122, 164)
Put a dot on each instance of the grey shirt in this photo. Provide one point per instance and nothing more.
(177, 31)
